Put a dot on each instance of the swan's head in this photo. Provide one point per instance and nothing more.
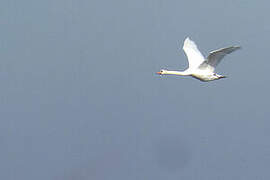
(162, 71)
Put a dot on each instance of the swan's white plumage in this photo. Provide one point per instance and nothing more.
(194, 56)
(215, 57)
(199, 67)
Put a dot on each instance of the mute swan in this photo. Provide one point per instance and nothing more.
(199, 67)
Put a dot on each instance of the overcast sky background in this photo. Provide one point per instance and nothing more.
(79, 97)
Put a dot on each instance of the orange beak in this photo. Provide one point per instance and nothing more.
(159, 73)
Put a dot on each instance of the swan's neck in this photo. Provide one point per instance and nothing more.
(179, 73)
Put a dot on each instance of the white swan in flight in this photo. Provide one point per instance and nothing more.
(199, 67)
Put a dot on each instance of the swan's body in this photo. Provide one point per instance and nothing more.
(199, 67)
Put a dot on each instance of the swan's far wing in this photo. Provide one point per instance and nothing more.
(216, 56)
(195, 58)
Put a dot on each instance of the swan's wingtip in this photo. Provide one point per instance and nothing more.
(187, 38)
(238, 47)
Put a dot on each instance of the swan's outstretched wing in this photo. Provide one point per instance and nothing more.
(216, 56)
(195, 58)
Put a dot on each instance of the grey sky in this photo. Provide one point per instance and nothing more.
(80, 99)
